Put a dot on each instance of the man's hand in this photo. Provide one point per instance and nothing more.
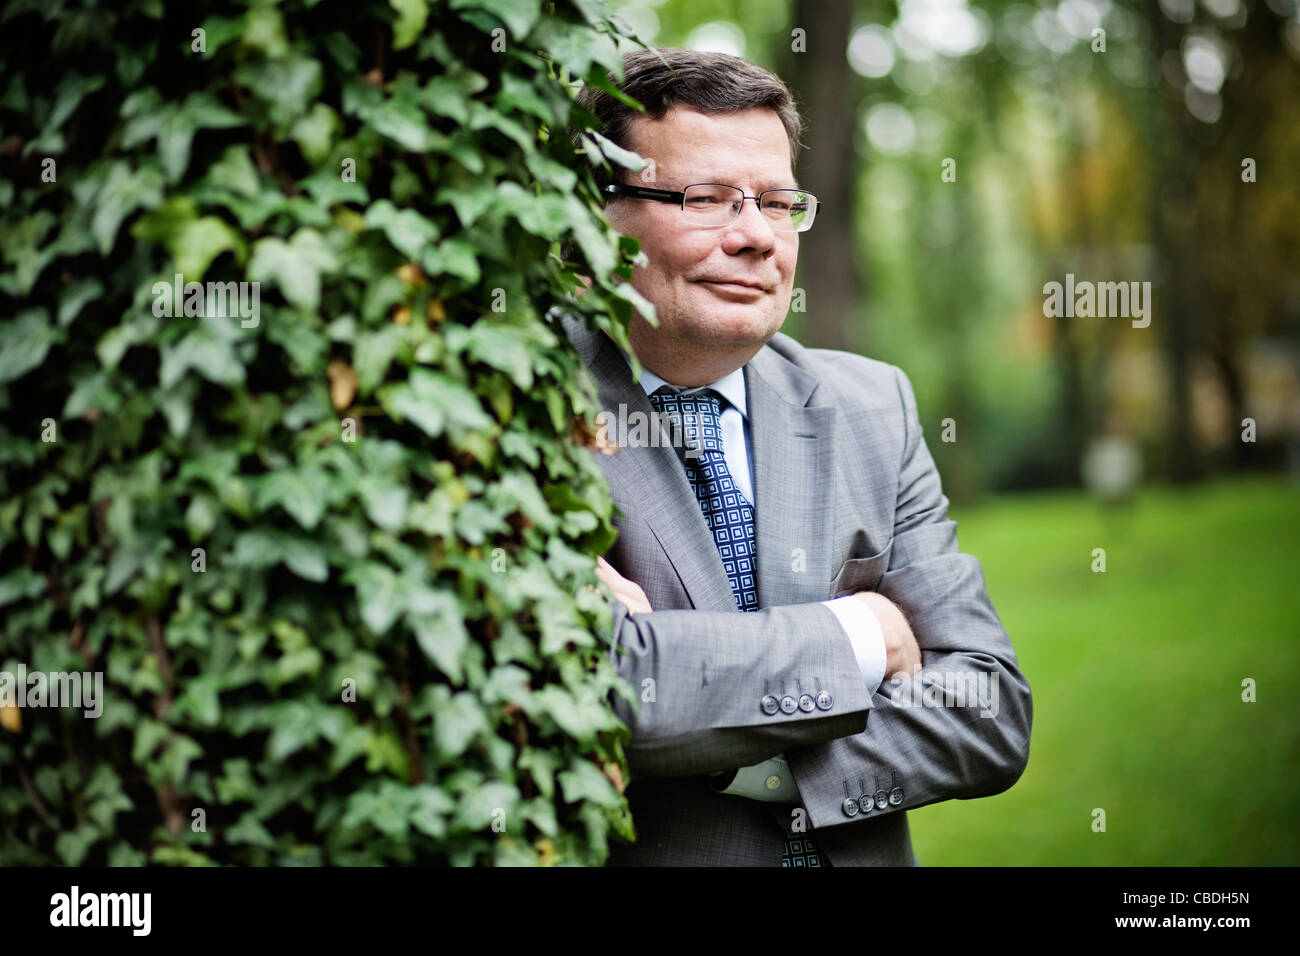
(902, 656)
(629, 592)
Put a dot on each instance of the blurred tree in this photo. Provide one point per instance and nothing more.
(814, 65)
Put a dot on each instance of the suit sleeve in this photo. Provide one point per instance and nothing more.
(960, 727)
(701, 678)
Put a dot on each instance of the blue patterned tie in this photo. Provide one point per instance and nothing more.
(695, 426)
(695, 423)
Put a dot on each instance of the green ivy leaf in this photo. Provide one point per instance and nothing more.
(406, 229)
(315, 131)
(193, 241)
(24, 343)
(435, 617)
(616, 153)
(295, 266)
(411, 17)
(518, 15)
(123, 192)
(457, 721)
(584, 783)
(209, 355)
(454, 257)
(303, 493)
(374, 353)
(287, 84)
(430, 399)
(249, 830)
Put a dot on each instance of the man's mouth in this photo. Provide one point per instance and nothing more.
(737, 287)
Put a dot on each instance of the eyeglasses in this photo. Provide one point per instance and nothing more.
(715, 205)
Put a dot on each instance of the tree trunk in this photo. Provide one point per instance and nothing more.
(828, 92)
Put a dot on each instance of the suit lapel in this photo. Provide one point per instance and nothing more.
(794, 507)
(653, 479)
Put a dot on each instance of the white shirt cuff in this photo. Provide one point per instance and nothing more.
(770, 781)
(865, 634)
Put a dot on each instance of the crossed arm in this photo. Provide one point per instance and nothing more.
(902, 655)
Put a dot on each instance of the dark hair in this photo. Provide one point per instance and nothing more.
(709, 82)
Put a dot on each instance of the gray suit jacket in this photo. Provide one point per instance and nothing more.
(847, 498)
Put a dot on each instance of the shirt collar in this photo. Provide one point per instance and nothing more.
(730, 386)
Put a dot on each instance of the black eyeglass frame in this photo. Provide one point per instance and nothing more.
(666, 195)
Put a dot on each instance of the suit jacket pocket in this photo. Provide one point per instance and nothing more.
(861, 574)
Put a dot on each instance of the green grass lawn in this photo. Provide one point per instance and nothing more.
(1137, 681)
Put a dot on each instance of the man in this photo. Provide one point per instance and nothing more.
(790, 545)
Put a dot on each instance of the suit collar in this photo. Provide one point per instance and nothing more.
(610, 365)
(731, 387)
(790, 383)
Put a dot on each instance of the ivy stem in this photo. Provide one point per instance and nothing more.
(35, 797)
(167, 800)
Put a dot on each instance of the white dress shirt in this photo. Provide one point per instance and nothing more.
(771, 780)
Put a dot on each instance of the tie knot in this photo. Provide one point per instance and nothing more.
(694, 418)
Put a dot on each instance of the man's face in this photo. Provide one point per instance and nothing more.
(720, 290)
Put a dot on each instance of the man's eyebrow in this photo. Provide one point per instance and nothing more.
(770, 184)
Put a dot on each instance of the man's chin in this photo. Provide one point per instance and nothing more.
(740, 326)
(712, 326)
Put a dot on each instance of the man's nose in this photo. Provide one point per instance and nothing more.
(751, 227)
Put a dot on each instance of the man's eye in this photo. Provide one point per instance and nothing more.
(702, 200)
